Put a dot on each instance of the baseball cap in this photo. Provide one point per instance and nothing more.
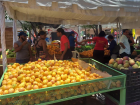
(72, 32)
(22, 33)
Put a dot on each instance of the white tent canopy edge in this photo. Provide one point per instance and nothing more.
(75, 11)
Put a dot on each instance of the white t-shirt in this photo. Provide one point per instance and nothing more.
(124, 40)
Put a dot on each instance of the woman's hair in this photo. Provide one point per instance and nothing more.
(130, 34)
(41, 33)
(110, 37)
(61, 30)
(124, 30)
(102, 34)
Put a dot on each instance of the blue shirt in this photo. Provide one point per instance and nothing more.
(112, 46)
(72, 41)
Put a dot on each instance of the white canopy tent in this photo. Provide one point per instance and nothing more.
(72, 12)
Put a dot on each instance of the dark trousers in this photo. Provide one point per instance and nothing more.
(98, 55)
(68, 55)
(124, 54)
(72, 48)
(22, 61)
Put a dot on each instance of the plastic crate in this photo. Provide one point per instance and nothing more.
(133, 77)
(65, 92)
(132, 94)
(132, 86)
(110, 102)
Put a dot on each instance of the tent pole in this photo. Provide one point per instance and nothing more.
(117, 32)
(2, 26)
(15, 37)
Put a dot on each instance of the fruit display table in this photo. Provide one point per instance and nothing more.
(66, 91)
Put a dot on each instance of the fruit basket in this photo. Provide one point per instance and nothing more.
(69, 91)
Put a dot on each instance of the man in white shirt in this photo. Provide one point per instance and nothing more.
(124, 44)
(138, 40)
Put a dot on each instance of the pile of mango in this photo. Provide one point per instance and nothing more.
(52, 49)
(88, 53)
(107, 52)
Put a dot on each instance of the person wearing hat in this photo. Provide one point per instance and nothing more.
(72, 41)
(22, 49)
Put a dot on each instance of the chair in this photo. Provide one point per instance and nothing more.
(75, 54)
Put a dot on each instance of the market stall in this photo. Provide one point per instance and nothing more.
(59, 84)
(72, 12)
(130, 67)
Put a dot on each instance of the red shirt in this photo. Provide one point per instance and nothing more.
(64, 40)
(100, 43)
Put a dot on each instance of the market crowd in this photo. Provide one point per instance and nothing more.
(67, 45)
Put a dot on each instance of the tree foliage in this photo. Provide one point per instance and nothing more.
(32, 25)
(94, 27)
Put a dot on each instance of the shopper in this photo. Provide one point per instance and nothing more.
(138, 40)
(72, 41)
(64, 44)
(22, 49)
(131, 42)
(41, 46)
(101, 43)
(112, 46)
(124, 44)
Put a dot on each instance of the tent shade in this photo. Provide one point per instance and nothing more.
(19, 1)
(75, 11)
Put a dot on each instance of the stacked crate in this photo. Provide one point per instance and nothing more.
(132, 87)
(8, 38)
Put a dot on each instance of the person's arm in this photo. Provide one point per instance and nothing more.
(121, 42)
(30, 52)
(79, 43)
(18, 48)
(45, 49)
(131, 44)
(87, 40)
(122, 45)
(65, 50)
(106, 44)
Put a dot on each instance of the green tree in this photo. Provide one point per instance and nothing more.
(94, 27)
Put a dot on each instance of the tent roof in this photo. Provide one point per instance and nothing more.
(74, 11)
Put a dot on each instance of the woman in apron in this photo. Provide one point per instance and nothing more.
(41, 47)
(64, 45)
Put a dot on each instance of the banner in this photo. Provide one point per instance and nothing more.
(112, 31)
(134, 33)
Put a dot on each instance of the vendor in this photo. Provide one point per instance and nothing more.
(41, 46)
(101, 43)
(64, 44)
(22, 49)
(72, 41)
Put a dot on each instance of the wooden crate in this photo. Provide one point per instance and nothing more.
(9, 60)
(8, 38)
